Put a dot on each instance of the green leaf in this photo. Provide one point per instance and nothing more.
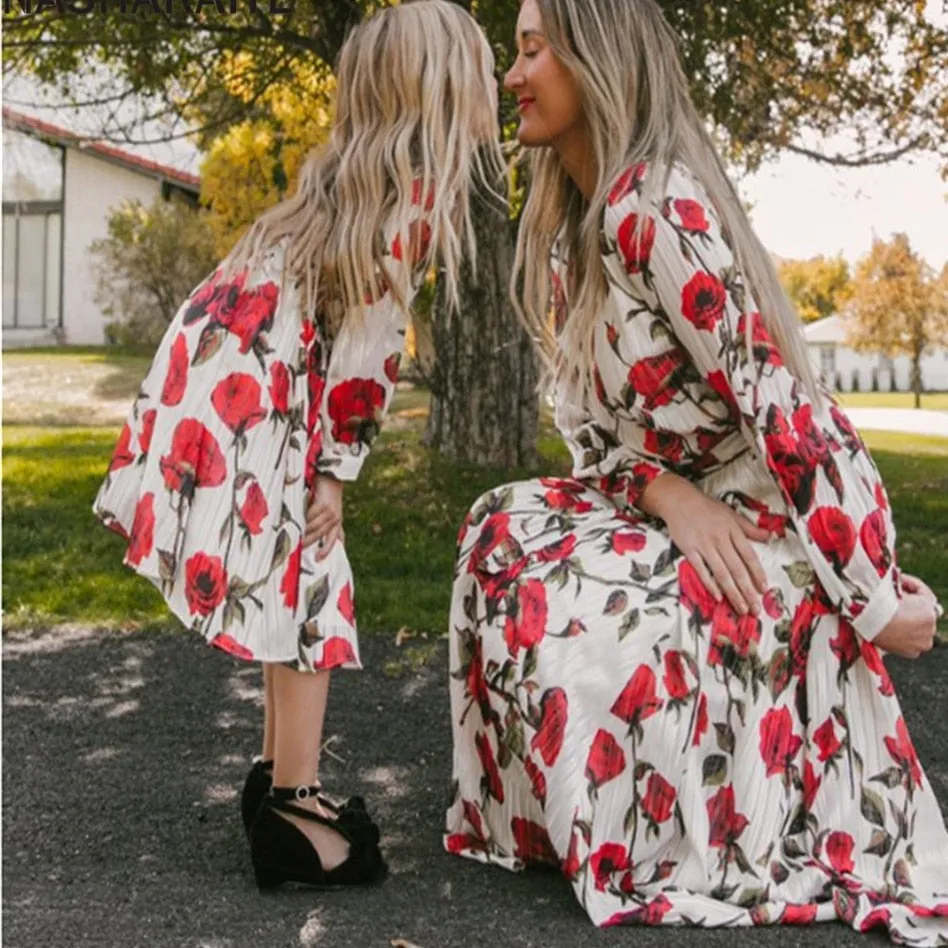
(714, 770)
(801, 574)
(872, 807)
(629, 624)
(212, 338)
(316, 596)
(281, 550)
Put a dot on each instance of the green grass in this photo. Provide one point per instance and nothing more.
(401, 522)
(933, 401)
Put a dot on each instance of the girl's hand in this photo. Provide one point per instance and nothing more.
(713, 537)
(911, 630)
(324, 516)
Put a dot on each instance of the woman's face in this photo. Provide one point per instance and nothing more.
(548, 96)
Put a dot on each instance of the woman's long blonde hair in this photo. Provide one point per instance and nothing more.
(415, 120)
(637, 106)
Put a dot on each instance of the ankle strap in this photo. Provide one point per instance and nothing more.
(298, 794)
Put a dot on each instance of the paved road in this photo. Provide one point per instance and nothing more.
(122, 757)
(911, 421)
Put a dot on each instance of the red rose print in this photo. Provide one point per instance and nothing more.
(419, 241)
(458, 843)
(561, 550)
(254, 509)
(122, 456)
(280, 387)
(726, 824)
(658, 378)
(628, 541)
(491, 779)
(845, 646)
(812, 444)
(630, 181)
(771, 604)
(354, 407)
(228, 644)
(566, 500)
(529, 625)
(194, 460)
(473, 815)
(778, 744)
(316, 385)
(674, 679)
(214, 298)
(148, 429)
(554, 712)
(877, 917)
(903, 753)
(811, 784)
(532, 843)
(416, 188)
(142, 537)
(826, 740)
(873, 659)
(205, 583)
(881, 500)
(537, 780)
(606, 759)
(799, 914)
(345, 605)
(875, 541)
(236, 399)
(651, 913)
(609, 859)
(336, 651)
(560, 308)
(496, 530)
(845, 427)
(252, 314)
(765, 350)
(638, 700)
(176, 379)
(391, 367)
(476, 683)
(290, 585)
(635, 246)
(839, 851)
(701, 723)
(570, 865)
(691, 215)
(731, 632)
(703, 299)
(694, 594)
(833, 532)
(659, 799)
(665, 444)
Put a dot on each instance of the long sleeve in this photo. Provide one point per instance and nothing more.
(684, 270)
(363, 365)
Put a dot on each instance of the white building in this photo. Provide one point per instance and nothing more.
(846, 370)
(59, 186)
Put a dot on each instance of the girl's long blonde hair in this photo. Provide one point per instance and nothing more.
(415, 120)
(637, 106)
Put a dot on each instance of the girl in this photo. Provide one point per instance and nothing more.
(666, 669)
(269, 387)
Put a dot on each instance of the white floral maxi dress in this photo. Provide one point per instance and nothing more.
(244, 404)
(681, 763)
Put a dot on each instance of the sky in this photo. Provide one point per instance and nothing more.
(801, 209)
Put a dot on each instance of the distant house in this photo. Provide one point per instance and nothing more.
(846, 370)
(59, 186)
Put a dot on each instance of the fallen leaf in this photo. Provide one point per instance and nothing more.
(403, 635)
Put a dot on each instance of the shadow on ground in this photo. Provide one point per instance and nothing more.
(123, 755)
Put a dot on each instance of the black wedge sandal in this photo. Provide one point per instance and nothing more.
(257, 786)
(281, 852)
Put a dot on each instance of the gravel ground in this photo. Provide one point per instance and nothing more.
(123, 754)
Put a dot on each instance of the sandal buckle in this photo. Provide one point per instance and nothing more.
(303, 793)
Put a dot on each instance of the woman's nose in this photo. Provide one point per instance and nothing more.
(513, 78)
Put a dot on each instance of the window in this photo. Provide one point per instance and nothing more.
(32, 231)
(828, 364)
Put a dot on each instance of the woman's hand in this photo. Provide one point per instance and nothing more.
(911, 630)
(714, 539)
(324, 516)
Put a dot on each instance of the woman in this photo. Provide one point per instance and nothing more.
(666, 670)
(269, 388)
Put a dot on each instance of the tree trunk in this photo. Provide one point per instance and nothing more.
(917, 377)
(483, 383)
